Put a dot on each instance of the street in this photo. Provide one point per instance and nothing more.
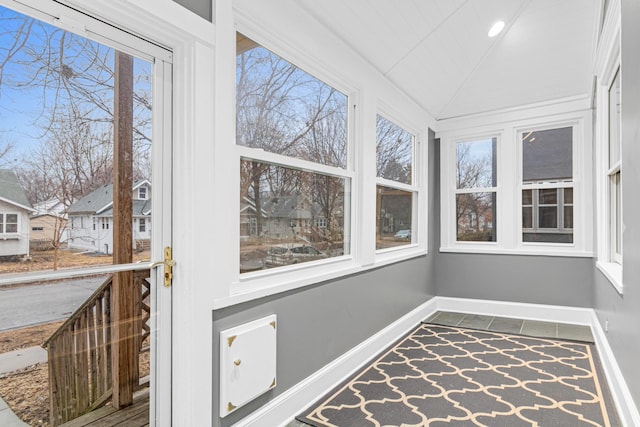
(28, 305)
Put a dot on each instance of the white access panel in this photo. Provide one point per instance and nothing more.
(247, 363)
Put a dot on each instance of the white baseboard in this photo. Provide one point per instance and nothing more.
(282, 409)
(626, 407)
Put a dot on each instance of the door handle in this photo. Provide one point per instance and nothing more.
(168, 264)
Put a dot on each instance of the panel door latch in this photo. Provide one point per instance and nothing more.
(168, 264)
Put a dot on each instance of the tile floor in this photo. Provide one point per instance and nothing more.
(514, 326)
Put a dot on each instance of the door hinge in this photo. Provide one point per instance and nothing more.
(168, 264)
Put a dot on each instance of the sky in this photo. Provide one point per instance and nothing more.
(24, 107)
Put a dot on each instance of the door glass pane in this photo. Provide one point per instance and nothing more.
(476, 164)
(394, 149)
(58, 134)
(393, 217)
(57, 125)
(476, 217)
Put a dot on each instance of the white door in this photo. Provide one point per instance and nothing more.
(56, 138)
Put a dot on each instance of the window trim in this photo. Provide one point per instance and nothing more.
(608, 61)
(414, 187)
(509, 187)
(360, 170)
(10, 234)
(560, 184)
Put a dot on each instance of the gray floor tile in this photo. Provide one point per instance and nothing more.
(575, 332)
(449, 318)
(433, 316)
(475, 321)
(506, 325)
(540, 329)
(296, 423)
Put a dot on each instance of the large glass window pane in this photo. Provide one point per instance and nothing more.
(282, 109)
(289, 216)
(476, 165)
(547, 155)
(476, 217)
(547, 160)
(393, 217)
(394, 149)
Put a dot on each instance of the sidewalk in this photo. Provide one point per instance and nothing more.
(7, 417)
(13, 361)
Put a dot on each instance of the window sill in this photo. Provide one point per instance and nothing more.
(613, 272)
(9, 237)
(266, 283)
(535, 251)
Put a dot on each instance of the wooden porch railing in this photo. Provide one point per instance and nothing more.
(79, 352)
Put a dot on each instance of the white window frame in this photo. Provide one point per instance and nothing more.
(142, 193)
(507, 129)
(575, 150)
(360, 172)
(607, 65)
(414, 187)
(4, 231)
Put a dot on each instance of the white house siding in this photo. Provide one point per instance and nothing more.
(15, 243)
(82, 235)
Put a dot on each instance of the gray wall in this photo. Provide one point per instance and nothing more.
(317, 324)
(203, 8)
(518, 278)
(623, 312)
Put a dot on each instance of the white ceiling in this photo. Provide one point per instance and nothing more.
(439, 54)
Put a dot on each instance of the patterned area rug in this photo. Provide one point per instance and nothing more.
(440, 375)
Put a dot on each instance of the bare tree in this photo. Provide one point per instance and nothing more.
(279, 107)
(393, 151)
(474, 170)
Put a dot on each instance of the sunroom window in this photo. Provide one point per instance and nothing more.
(547, 185)
(614, 175)
(291, 133)
(476, 190)
(395, 192)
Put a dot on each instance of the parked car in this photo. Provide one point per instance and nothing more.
(291, 254)
(403, 235)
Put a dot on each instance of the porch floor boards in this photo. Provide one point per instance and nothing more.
(136, 415)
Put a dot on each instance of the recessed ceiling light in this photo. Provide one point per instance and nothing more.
(495, 30)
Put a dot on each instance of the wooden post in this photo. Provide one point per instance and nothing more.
(124, 354)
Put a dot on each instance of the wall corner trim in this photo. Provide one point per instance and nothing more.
(281, 410)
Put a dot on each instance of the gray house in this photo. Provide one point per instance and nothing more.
(14, 216)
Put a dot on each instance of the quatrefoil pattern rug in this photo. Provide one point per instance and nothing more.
(444, 376)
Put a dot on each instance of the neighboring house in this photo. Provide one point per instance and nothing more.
(48, 223)
(52, 206)
(45, 229)
(90, 225)
(296, 215)
(14, 216)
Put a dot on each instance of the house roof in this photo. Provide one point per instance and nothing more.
(101, 199)
(11, 191)
(139, 208)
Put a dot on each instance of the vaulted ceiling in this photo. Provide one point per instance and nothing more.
(438, 51)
